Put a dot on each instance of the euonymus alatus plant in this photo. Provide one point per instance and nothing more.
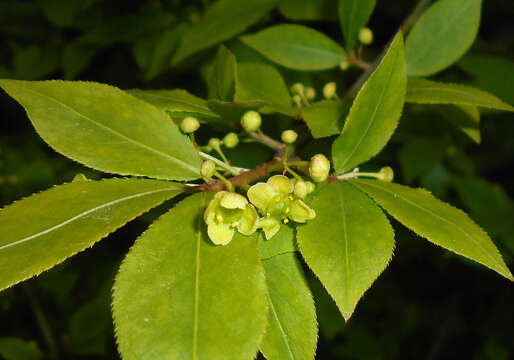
(218, 276)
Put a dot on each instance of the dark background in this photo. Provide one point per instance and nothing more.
(428, 304)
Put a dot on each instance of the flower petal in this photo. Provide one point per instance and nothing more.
(270, 226)
(281, 184)
(248, 222)
(220, 233)
(260, 195)
(301, 212)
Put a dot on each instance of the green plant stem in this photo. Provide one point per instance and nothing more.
(355, 174)
(227, 183)
(220, 163)
(354, 60)
(302, 163)
(268, 141)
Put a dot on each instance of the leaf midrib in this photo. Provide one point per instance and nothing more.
(346, 284)
(284, 335)
(82, 214)
(305, 48)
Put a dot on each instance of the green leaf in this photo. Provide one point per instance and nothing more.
(353, 15)
(159, 52)
(308, 10)
(224, 77)
(283, 242)
(292, 330)
(214, 27)
(418, 156)
(347, 245)
(437, 221)
(423, 91)
(106, 128)
(231, 112)
(441, 36)
(177, 102)
(375, 112)
(209, 301)
(297, 47)
(324, 118)
(12, 348)
(44, 229)
(465, 117)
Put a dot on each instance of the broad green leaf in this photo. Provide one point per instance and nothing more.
(230, 112)
(441, 36)
(179, 103)
(347, 245)
(261, 82)
(353, 15)
(324, 118)
(12, 348)
(283, 242)
(106, 128)
(305, 10)
(430, 92)
(437, 221)
(375, 112)
(292, 330)
(178, 296)
(224, 76)
(44, 229)
(465, 117)
(214, 27)
(297, 47)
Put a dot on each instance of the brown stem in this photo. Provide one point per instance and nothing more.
(269, 142)
(354, 60)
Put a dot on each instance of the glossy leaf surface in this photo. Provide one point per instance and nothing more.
(436, 221)
(297, 47)
(283, 242)
(375, 112)
(292, 330)
(44, 229)
(347, 245)
(178, 296)
(106, 128)
(353, 15)
(441, 36)
(324, 118)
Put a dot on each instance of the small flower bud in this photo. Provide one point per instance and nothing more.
(300, 189)
(297, 88)
(289, 136)
(329, 90)
(386, 174)
(251, 121)
(231, 140)
(344, 65)
(207, 169)
(214, 143)
(189, 125)
(297, 100)
(310, 93)
(365, 36)
(319, 168)
(310, 186)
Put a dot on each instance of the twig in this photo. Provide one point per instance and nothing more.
(269, 142)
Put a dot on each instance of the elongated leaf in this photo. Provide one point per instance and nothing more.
(292, 330)
(106, 128)
(179, 103)
(430, 92)
(465, 117)
(12, 348)
(42, 230)
(214, 28)
(375, 112)
(437, 221)
(283, 242)
(324, 118)
(353, 15)
(224, 77)
(441, 36)
(302, 10)
(297, 47)
(347, 245)
(177, 296)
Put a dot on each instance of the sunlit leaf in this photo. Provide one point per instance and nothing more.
(324, 118)
(283, 242)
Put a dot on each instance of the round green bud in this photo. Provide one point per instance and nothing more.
(386, 174)
(289, 136)
(365, 36)
(189, 124)
(344, 65)
(251, 121)
(310, 93)
(297, 99)
(300, 189)
(214, 143)
(319, 168)
(207, 169)
(310, 186)
(297, 88)
(329, 90)
(231, 140)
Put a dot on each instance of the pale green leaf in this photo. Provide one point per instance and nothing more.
(437, 221)
(223, 20)
(375, 112)
(297, 47)
(224, 76)
(178, 296)
(347, 245)
(353, 15)
(424, 91)
(441, 36)
(177, 102)
(324, 118)
(283, 242)
(12, 348)
(44, 229)
(292, 330)
(106, 128)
